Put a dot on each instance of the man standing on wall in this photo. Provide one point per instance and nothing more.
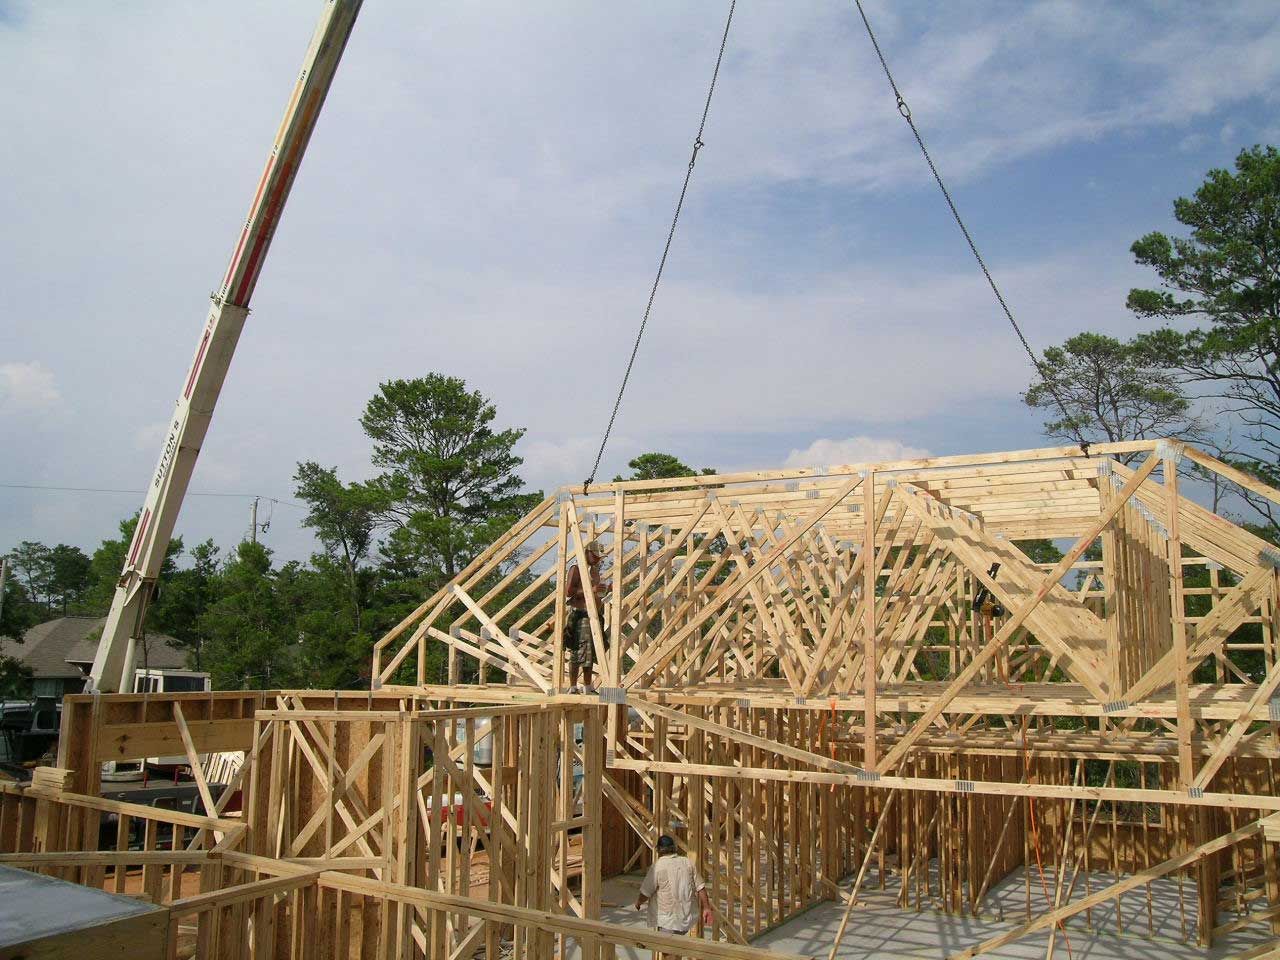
(577, 627)
(672, 884)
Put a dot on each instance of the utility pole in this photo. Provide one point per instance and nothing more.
(4, 575)
(253, 521)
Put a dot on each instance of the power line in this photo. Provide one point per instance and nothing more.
(190, 493)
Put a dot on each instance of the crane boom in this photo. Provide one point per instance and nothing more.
(113, 665)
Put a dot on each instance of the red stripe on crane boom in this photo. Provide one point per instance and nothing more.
(218, 341)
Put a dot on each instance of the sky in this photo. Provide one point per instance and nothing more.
(486, 196)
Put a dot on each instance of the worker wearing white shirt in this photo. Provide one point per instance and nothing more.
(672, 884)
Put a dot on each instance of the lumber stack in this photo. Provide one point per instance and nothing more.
(51, 779)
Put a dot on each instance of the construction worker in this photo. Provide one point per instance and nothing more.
(672, 883)
(577, 626)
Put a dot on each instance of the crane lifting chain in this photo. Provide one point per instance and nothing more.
(905, 110)
(666, 248)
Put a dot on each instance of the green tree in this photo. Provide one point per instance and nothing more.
(395, 587)
(251, 637)
(1042, 550)
(69, 569)
(334, 592)
(181, 603)
(1111, 391)
(665, 466)
(450, 478)
(18, 614)
(334, 652)
(30, 563)
(660, 466)
(108, 560)
(53, 577)
(15, 678)
(1224, 276)
(344, 517)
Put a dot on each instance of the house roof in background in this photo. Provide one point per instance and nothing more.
(54, 648)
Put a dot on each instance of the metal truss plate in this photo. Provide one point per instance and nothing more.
(1169, 451)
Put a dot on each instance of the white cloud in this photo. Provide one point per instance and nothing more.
(27, 387)
(824, 452)
(552, 463)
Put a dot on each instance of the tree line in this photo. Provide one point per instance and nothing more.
(447, 485)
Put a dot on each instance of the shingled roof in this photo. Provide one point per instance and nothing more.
(55, 648)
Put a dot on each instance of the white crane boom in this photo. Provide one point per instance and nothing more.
(113, 665)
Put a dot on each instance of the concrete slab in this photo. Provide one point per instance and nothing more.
(42, 916)
(879, 930)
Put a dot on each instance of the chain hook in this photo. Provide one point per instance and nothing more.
(697, 145)
(955, 213)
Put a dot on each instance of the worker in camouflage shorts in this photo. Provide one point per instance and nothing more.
(577, 626)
